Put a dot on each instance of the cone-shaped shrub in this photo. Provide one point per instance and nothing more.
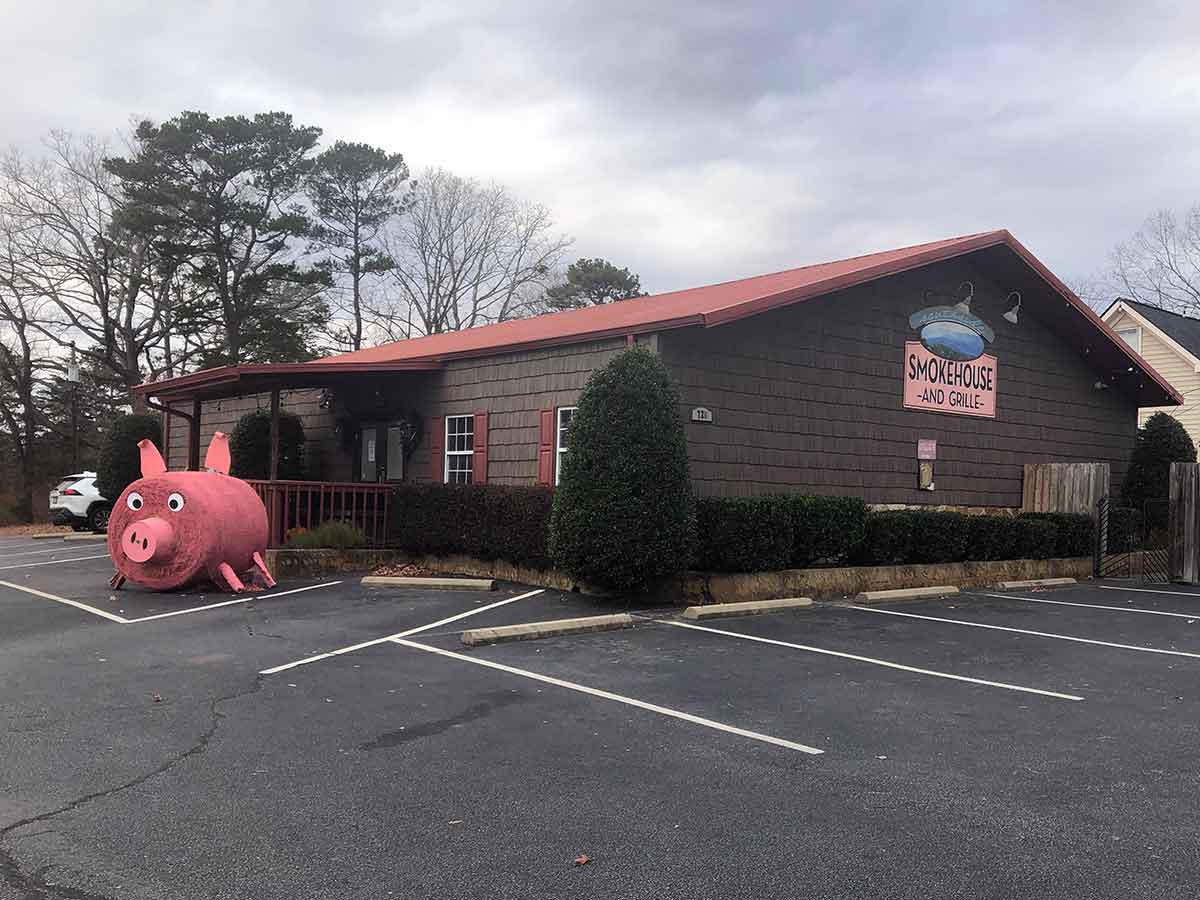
(120, 462)
(623, 513)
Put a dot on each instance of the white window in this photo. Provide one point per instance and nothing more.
(562, 438)
(1131, 336)
(460, 449)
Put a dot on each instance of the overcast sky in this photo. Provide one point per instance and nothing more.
(690, 142)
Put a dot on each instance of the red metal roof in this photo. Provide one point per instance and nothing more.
(707, 306)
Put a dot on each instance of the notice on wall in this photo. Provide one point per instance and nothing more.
(937, 384)
(927, 448)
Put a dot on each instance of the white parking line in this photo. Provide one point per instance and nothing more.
(112, 617)
(1110, 587)
(1045, 634)
(618, 698)
(195, 609)
(34, 552)
(1128, 609)
(875, 662)
(402, 634)
(51, 562)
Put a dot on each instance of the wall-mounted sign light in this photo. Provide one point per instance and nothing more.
(1011, 315)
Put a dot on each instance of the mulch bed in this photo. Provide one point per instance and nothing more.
(403, 570)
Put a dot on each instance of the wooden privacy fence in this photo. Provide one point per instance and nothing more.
(1184, 529)
(1064, 487)
(307, 504)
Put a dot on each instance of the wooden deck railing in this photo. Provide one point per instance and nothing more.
(307, 504)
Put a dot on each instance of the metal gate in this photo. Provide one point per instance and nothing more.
(1132, 543)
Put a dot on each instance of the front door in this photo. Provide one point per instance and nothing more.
(381, 453)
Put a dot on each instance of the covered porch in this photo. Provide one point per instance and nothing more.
(364, 410)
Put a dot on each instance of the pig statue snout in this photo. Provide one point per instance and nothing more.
(148, 539)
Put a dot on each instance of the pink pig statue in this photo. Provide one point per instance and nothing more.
(172, 529)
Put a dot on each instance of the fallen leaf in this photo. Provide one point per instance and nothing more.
(456, 821)
(582, 859)
(157, 697)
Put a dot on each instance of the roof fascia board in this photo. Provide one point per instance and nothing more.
(1090, 314)
(1122, 307)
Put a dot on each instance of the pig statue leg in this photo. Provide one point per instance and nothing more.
(231, 580)
(116, 581)
(262, 568)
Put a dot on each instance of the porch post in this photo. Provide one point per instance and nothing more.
(274, 468)
(273, 517)
(193, 462)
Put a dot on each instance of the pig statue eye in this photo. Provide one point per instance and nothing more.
(175, 502)
(134, 501)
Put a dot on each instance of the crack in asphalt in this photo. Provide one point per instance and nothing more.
(34, 885)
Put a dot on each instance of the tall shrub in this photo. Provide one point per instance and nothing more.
(120, 461)
(250, 446)
(1160, 442)
(623, 512)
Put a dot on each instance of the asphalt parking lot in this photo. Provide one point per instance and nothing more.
(197, 745)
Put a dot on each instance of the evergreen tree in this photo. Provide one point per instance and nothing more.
(591, 282)
(1160, 442)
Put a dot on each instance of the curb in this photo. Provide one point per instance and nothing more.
(48, 536)
(1032, 583)
(530, 631)
(748, 608)
(921, 593)
(85, 537)
(443, 584)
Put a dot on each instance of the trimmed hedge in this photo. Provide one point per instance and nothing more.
(825, 528)
(487, 521)
(1076, 532)
(743, 534)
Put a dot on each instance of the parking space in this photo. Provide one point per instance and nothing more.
(327, 739)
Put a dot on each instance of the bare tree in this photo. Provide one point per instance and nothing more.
(1160, 264)
(24, 365)
(466, 254)
(108, 285)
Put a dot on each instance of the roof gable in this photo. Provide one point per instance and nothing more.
(1179, 332)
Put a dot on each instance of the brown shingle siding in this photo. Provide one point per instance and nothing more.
(808, 398)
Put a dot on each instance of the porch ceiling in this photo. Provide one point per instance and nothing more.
(235, 381)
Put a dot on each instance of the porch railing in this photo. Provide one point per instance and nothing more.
(307, 504)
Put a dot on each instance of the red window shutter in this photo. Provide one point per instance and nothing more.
(437, 438)
(546, 447)
(479, 462)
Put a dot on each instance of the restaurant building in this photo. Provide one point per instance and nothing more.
(927, 376)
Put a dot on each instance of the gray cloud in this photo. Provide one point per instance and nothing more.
(690, 141)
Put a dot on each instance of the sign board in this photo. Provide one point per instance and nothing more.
(937, 384)
(702, 414)
(926, 448)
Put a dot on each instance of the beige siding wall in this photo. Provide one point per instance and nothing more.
(512, 389)
(325, 459)
(1179, 371)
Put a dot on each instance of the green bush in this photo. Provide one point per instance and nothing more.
(1034, 539)
(250, 446)
(328, 536)
(487, 521)
(1160, 442)
(1076, 532)
(991, 537)
(825, 528)
(120, 462)
(1124, 529)
(623, 513)
(887, 538)
(744, 534)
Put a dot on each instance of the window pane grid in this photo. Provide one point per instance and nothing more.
(562, 438)
(460, 446)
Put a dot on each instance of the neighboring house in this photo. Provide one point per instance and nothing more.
(1171, 343)
(928, 376)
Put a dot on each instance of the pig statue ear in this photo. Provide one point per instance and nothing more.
(152, 461)
(217, 457)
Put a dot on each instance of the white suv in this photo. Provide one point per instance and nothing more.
(75, 501)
